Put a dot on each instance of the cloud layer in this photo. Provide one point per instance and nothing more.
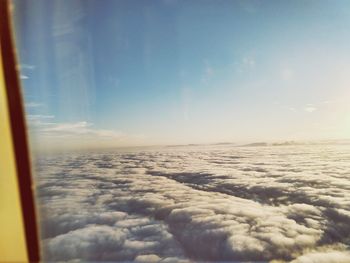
(287, 203)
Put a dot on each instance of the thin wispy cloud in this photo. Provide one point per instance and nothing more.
(77, 129)
(33, 104)
(38, 119)
(24, 76)
(208, 72)
(54, 134)
(249, 62)
(245, 64)
(27, 66)
(287, 74)
(292, 109)
(39, 116)
(24, 70)
(186, 99)
(331, 102)
(310, 108)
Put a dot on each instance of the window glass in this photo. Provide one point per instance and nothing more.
(188, 130)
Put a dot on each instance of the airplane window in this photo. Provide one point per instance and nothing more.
(179, 131)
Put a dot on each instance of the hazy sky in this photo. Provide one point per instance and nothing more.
(116, 73)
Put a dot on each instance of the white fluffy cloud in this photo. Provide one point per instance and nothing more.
(208, 204)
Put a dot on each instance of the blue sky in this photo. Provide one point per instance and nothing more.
(122, 73)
